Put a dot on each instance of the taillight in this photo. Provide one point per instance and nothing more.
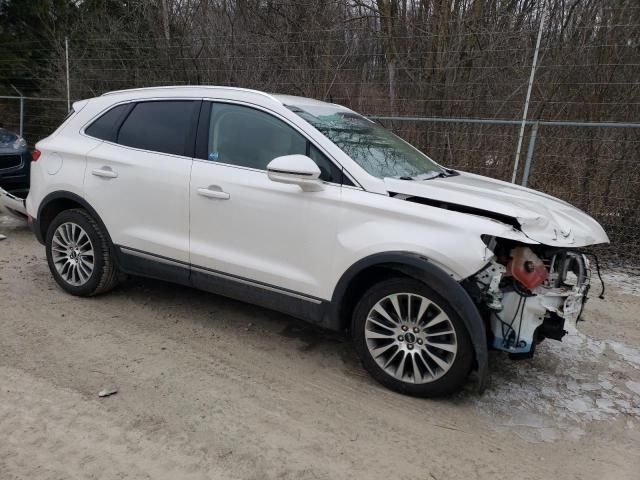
(35, 155)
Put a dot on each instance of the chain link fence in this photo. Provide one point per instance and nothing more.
(33, 117)
(595, 168)
(453, 85)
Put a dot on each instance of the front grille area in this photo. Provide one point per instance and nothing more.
(9, 161)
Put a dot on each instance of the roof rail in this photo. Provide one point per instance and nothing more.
(249, 90)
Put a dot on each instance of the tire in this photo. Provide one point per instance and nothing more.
(71, 236)
(387, 343)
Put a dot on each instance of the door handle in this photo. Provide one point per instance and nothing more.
(213, 191)
(104, 172)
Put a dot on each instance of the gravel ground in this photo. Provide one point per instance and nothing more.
(213, 388)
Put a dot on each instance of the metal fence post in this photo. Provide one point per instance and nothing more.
(66, 61)
(21, 115)
(530, 149)
(526, 102)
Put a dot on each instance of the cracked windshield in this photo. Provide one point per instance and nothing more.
(377, 150)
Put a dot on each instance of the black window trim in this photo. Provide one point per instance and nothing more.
(202, 139)
(115, 127)
(189, 147)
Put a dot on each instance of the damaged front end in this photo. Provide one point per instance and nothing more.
(527, 293)
(537, 278)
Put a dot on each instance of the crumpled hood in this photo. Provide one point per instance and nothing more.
(542, 218)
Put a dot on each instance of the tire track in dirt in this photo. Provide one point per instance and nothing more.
(212, 388)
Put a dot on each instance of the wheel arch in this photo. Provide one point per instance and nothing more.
(367, 271)
(59, 201)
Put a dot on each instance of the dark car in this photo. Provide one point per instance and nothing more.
(15, 163)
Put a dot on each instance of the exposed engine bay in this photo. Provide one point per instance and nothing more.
(527, 293)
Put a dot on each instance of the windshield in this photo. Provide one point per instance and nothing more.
(10, 142)
(377, 150)
(7, 138)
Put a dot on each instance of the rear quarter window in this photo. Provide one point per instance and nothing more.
(105, 126)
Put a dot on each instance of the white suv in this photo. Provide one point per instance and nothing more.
(310, 209)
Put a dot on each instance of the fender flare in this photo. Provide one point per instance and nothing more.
(420, 268)
(65, 195)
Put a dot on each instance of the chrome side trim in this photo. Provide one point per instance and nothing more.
(149, 256)
(256, 284)
(214, 273)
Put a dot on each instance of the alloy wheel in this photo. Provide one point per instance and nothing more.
(72, 253)
(411, 338)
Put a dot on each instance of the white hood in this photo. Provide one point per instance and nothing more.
(542, 217)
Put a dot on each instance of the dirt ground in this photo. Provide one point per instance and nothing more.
(213, 388)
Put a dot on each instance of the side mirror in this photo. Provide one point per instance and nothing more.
(296, 170)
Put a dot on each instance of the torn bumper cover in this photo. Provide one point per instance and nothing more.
(12, 204)
(519, 317)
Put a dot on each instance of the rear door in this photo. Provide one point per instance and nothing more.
(138, 178)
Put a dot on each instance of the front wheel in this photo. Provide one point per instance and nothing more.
(410, 339)
(78, 254)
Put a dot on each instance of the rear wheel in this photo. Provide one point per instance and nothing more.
(78, 254)
(410, 339)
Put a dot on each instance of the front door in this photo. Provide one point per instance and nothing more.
(250, 229)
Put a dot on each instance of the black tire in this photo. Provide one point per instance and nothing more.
(104, 276)
(449, 382)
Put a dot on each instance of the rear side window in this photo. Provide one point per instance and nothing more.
(158, 126)
(104, 127)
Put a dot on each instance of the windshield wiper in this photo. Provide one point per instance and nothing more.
(423, 176)
(429, 175)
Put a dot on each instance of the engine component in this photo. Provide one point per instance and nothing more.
(489, 284)
(536, 304)
(527, 268)
(514, 327)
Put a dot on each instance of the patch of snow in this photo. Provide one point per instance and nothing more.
(7, 220)
(633, 386)
(565, 386)
(626, 280)
(630, 355)
(579, 405)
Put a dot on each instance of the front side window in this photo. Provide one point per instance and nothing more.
(377, 150)
(247, 137)
(159, 126)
